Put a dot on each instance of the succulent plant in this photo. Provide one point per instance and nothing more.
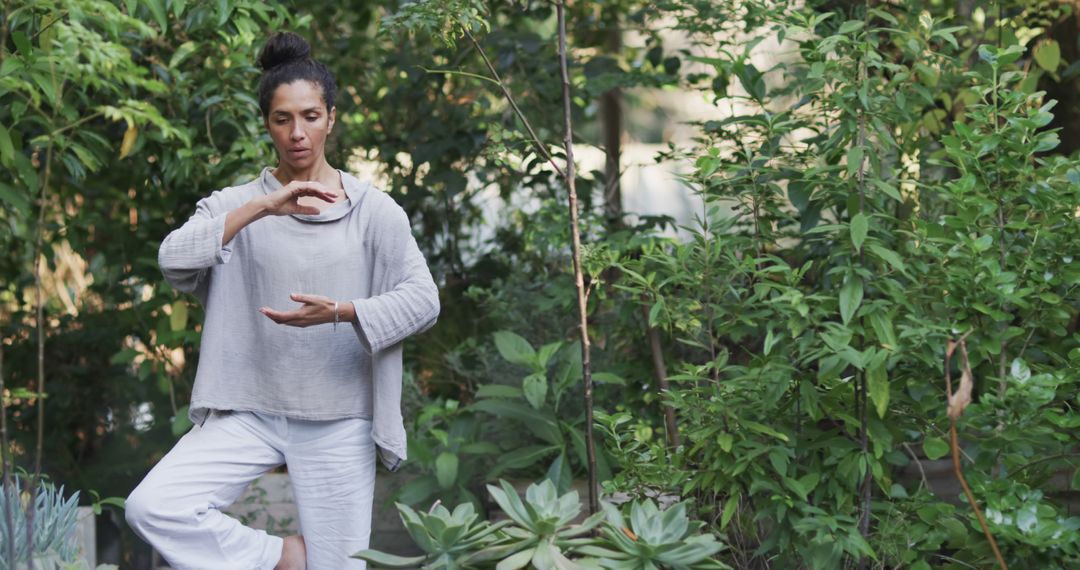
(54, 526)
(541, 534)
(655, 539)
(450, 540)
(544, 531)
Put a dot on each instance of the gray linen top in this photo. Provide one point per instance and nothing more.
(360, 249)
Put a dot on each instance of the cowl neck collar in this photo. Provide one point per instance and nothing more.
(354, 189)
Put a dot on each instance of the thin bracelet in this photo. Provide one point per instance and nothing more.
(335, 315)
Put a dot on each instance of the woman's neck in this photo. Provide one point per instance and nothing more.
(321, 171)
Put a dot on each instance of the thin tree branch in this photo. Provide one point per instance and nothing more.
(9, 496)
(510, 98)
(579, 281)
(954, 443)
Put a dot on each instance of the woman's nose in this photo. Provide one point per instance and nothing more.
(297, 133)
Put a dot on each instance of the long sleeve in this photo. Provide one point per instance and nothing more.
(410, 304)
(188, 252)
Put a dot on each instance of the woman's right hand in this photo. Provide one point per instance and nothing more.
(284, 200)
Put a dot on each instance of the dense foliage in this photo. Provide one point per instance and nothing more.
(887, 177)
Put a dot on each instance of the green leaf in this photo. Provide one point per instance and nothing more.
(498, 391)
(7, 150)
(883, 329)
(730, 507)
(224, 9)
(446, 469)
(383, 560)
(764, 429)
(179, 317)
(125, 356)
(725, 440)
(850, 26)
(157, 10)
(535, 387)
(877, 380)
(514, 348)
(888, 256)
(887, 188)
(851, 295)
(854, 160)
(181, 54)
(22, 43)
(181, 422)
(15, 199)
(935, 448)
(608, 378)
(860, 226)
(1048, 54)
(545, 354)
(983, 243)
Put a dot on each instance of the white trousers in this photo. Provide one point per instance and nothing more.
(177, 507)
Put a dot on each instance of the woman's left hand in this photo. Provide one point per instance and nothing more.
(317, 310)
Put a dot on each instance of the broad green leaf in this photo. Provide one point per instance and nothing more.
(130, 136)
(224, 8)
(860, 226)
(157, 10)
(535, 387)
(888, 256)
(181, 54)
(770, 341)
(15, 199)
(22, 43)
(730, 507)
(514, 348)
(1048, 54)
(725, 440)
(854, 160)
(883, 329)
(850, 26)
(125, 356)
(851, 295)
(983, 243)
(179, 317)
(181, 423)
(764, 429)
(877, 381)
(380, 559)
(608, 378)
(887, 188)
(935, 448)
(7, 150)
(446, 469)
(545, 354)
(498, 391)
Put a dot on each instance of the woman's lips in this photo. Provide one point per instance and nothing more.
(298, 152)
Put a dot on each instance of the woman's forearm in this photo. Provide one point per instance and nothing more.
(239, 218)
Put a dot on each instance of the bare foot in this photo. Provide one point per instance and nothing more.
(293, 554)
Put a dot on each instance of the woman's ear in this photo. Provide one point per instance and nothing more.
(331, 118)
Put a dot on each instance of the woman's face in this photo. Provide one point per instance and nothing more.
(298, 123)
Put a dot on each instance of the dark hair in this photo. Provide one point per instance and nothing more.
(286, 58)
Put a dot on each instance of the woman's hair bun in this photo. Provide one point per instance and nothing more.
(283, 47)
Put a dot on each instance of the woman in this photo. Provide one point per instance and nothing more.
(315, 387)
